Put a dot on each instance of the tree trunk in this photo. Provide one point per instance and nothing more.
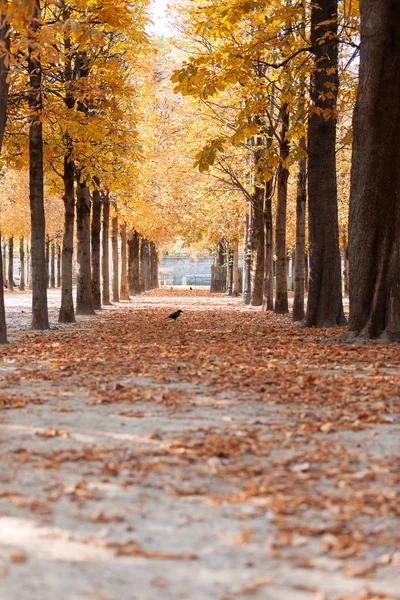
(28, 267)
(220, 253)
(22, 264)
(306, 272)
(345, 265)
(114, 246)
(11, 263)
(133, 263)
(4, 82)
(299, 263)
(235, 287)
(3, 326)
(143, 264)
(105, 255)
(374, 221)
(268, 291)
(281, 300)
(95, 238)
(257, 247)
(154, 266)
(124, 270)
(53, 265)
(246, 260)
(84, 305)
(324, 307)
(47, 254)
(146, 264)
(40, 317)
(67, 313)
(5, 263)
(58, 265)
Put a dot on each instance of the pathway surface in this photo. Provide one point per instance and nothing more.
(226, 455)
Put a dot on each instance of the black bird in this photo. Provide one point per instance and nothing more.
(175, 315)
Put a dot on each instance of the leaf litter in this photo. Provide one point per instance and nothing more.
(252, 435)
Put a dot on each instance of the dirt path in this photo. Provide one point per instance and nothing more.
(223, 456)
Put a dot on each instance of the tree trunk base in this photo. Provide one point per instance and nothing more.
(85, 312)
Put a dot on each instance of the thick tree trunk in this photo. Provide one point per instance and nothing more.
(154, 266)
(257, 247)
(281, 300)
(105, 254)
(11, 263)
(114, 246)
(124, 268)
(3, 326)
(40, 318)
(22, 264)
(67, 313)
(299, 263)
(95, 239)
(324, 307)
(374, 222)
(58, 265)
(235, 287)
(84, 305)
(53, 265)
(133, 263)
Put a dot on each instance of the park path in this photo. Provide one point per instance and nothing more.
(227, 455)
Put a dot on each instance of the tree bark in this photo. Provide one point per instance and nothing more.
(47, 254)
(53, 265)
(105, 255)
(299, 264)
(324, 307)
(154, 266)
(345, 265)
(114, 246)
(3, 325)
(235, 287)
(58, 265)
(133, 263)
(147, 264)
(67, 312)
(84, 305)
(143, 264)
(124, 269)
(11, 264)
(268, 292)
(95, 239)
(5, 263)
(281, 300)
(257, 247)
(28, 266)
(40, 318)
(22, 264)
(374, 221)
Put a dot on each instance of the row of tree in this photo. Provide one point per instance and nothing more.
(281, 79)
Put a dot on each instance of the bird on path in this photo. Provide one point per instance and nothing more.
(175, 315)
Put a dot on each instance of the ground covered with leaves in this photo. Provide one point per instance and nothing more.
(226, 455)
